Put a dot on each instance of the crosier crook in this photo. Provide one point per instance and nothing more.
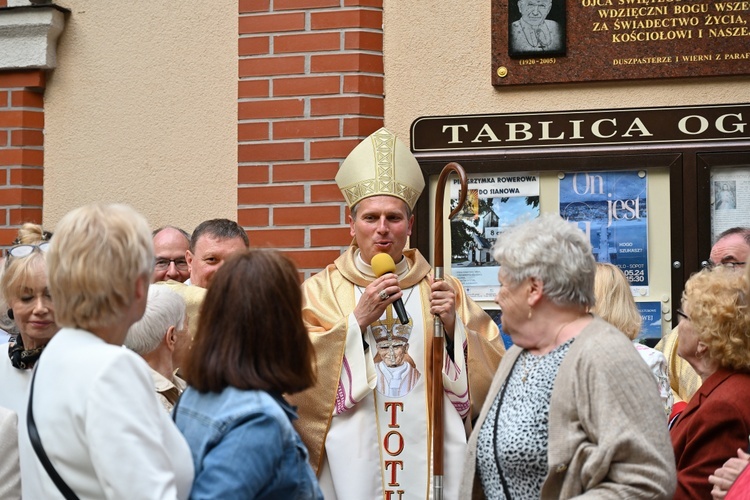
(439, 338)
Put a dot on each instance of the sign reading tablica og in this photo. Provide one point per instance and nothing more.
(727, 122)
(556, 41)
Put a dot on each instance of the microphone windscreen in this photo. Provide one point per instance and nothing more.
(382, 263)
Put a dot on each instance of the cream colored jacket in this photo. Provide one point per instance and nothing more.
(10, 471)
(683, 380)
(607, 433)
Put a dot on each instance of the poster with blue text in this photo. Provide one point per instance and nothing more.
(650, 321)
(610, 207)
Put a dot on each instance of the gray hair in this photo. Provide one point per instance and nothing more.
(742, 231)
(178, 229)
(164, 308)
(554, 251)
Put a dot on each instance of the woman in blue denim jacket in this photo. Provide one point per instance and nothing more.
(251, 346)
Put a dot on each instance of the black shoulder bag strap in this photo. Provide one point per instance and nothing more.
(36, 442)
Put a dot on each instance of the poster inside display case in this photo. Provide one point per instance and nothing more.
(610, 207)
(730, 199)
(493, 203)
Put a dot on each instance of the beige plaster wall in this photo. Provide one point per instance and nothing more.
(438, 62)
(142, 109)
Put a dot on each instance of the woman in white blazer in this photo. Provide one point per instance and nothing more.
(97, 417)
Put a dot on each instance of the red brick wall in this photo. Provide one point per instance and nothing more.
(21, 150)
(310, 88)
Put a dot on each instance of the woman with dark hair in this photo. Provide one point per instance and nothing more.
(250, 348)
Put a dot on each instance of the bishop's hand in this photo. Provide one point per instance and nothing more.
(375, 299)
(443, 304)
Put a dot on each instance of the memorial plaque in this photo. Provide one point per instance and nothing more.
(557, 41)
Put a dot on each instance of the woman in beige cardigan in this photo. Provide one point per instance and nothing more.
(572, 410)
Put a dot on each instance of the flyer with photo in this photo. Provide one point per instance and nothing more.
(493, 203)
(610, 207)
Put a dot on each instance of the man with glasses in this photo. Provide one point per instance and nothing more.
(732, 250)
(170, 248)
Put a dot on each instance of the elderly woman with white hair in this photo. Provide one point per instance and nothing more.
(566, 414)
(161, 338)
(91, 402)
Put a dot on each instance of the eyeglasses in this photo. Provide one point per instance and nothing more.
(682, 314)
(163, 264)
(19, 251)
(729, 265)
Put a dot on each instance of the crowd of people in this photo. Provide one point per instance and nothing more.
(168, 364)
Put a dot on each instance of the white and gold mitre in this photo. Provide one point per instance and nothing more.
(380, 165)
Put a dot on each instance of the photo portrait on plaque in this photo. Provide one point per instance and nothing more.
(536, 28)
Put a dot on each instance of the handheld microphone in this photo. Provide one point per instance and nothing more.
(383, 263)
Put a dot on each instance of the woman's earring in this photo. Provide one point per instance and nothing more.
(10, 314)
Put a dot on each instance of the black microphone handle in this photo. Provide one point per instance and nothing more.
(398, 305)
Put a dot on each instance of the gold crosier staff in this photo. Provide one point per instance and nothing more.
(439, 338)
